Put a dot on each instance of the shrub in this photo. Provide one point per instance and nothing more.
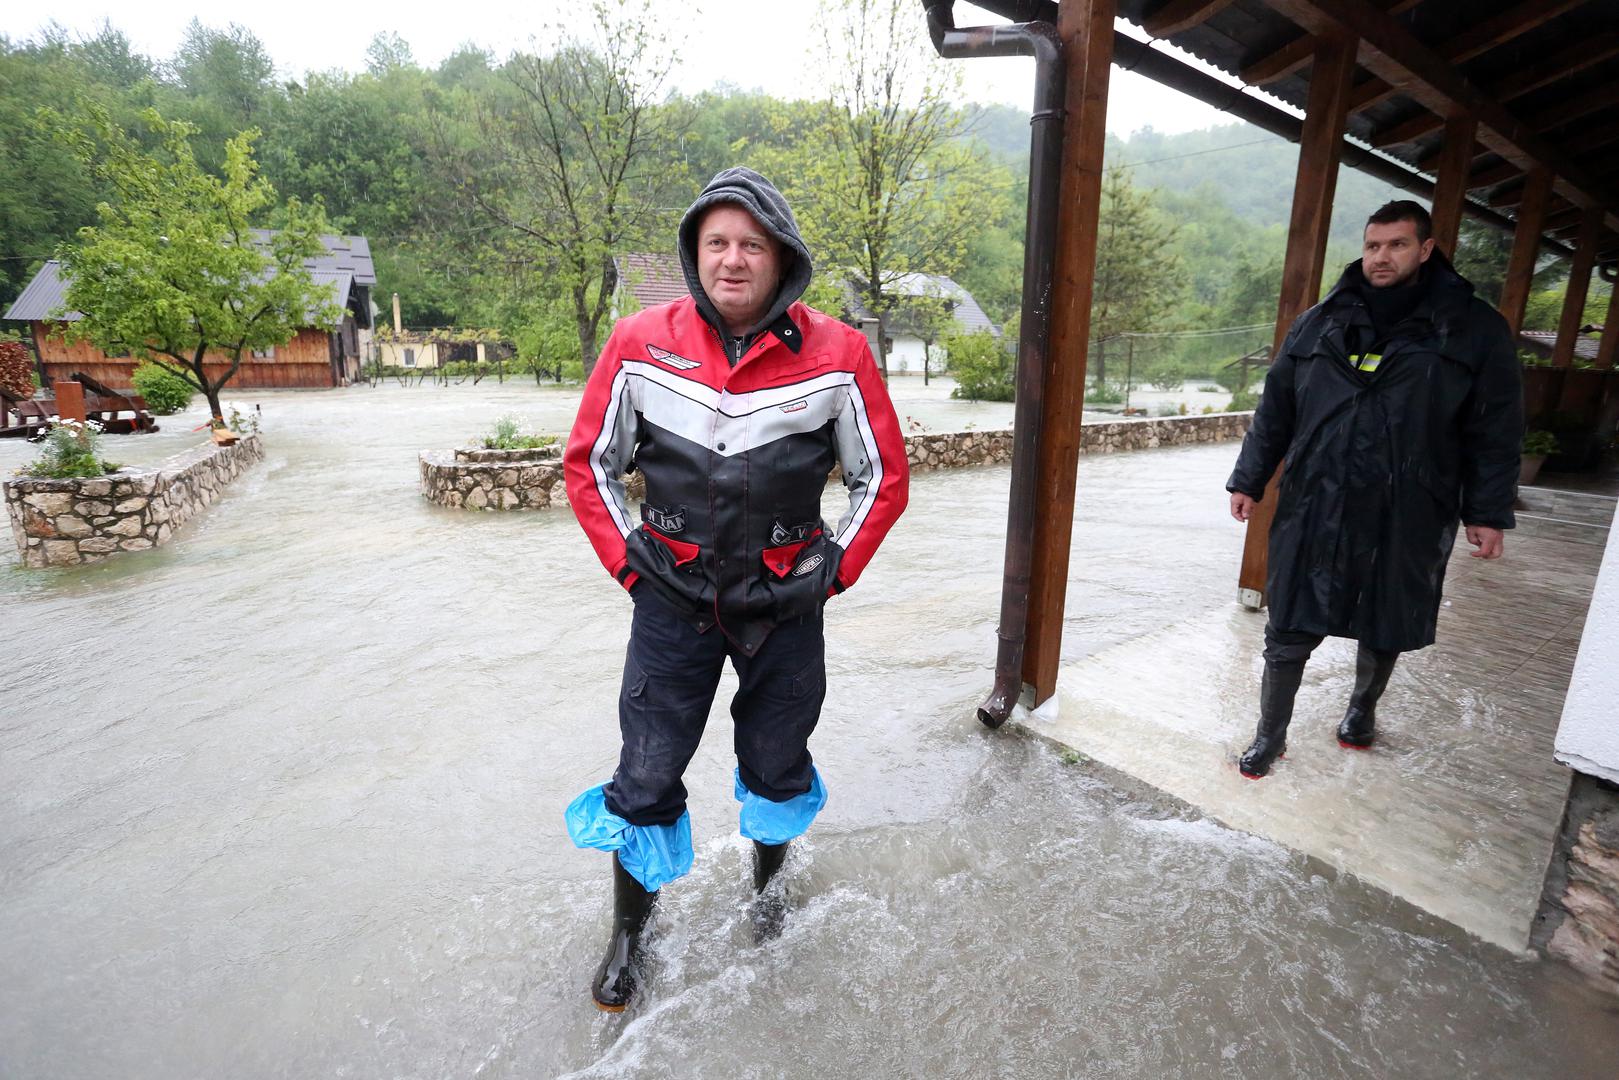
(981, 365)
(1539, 444)
(239, 419)
(71, 449)
(165, 392)
(16, 373)
(506, 435)
(1243, 401)
(1103, 393)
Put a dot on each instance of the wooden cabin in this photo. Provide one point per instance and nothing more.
(314, 358)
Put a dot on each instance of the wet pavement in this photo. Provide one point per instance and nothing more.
(283, 799)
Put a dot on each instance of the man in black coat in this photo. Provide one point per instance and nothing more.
(1395, 407)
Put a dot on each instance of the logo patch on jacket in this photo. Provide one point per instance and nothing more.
(808, 564)
(798, 406)
(782, 535)
(674, 360)
(662, 520)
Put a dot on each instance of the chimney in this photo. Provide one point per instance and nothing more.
(397, 328)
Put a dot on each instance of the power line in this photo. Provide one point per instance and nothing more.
(1196, 153)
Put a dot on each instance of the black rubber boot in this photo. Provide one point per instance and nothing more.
(616, 978)
(1357, 730)
(770, 899)
(1277, 690)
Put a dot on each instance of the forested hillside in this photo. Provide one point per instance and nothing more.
(477, 220)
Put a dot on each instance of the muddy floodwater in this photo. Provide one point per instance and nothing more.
(284, 799)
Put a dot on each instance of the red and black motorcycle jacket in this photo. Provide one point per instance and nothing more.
(735, 461)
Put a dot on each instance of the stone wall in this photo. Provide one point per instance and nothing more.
(492, 479)
(1579, 911)
(954, 449)
(68, 522)
(527, 479)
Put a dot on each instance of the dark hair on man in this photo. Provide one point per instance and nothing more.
(1404, 210)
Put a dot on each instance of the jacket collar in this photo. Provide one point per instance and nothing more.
(787, 331)
(1447, 298)
(1443, 312)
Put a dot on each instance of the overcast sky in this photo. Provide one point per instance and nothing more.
(719, 40)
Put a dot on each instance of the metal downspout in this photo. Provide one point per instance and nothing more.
(1039, 40)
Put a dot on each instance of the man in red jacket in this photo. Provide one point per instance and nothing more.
(734, 404)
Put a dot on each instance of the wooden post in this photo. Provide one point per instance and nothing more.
(1609, 345)
(1450, 190)
(69, 400)
(1537, 190)
(1579, 281)
(1320, 144)
(1086, 27)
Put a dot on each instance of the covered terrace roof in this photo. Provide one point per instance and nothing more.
(1540, 77)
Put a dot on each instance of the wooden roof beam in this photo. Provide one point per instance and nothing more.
(1296, 54)
(1391, 53)
(1179, 16)
(1576, 108)
(1500, 172)
(1514, 196)
(1489, 34)
(1566, 218)
(1599, 135)
(1491, 175)
(1570, 61)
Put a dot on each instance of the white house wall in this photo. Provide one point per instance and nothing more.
(1588, 736)
(392, 353)
(905, 355)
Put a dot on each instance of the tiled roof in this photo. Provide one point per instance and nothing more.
(347, 261)
(41, 296)
(651, 278)
(343, 253)
(1544, 341)
(969, 316)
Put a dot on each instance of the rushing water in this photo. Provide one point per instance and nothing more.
(283, 799)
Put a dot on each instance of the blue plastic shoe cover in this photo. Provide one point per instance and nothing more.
(654, 854)
(778, 822)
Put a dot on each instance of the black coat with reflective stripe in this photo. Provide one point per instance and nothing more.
(1378, 467)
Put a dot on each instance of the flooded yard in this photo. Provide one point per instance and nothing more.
(284, 798)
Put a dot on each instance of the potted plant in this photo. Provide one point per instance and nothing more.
(1537, 445)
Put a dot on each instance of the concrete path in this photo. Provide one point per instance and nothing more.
(1456, 807)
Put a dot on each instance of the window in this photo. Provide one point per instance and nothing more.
(264, 354)
(410, 357)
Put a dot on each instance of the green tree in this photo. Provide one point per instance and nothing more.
(982, 366)
(881, 185)
(173, 270)
(230, 70)
(1138, 280)
(45, 196)
(573, 161)
(388, 52)
(1481, 257)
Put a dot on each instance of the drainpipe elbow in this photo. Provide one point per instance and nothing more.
(941, 19)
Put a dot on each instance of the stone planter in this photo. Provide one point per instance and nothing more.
(477, 455)
(473, 479)
(1529, 468)
(70, 522)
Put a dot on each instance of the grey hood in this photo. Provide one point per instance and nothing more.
(760, 198)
